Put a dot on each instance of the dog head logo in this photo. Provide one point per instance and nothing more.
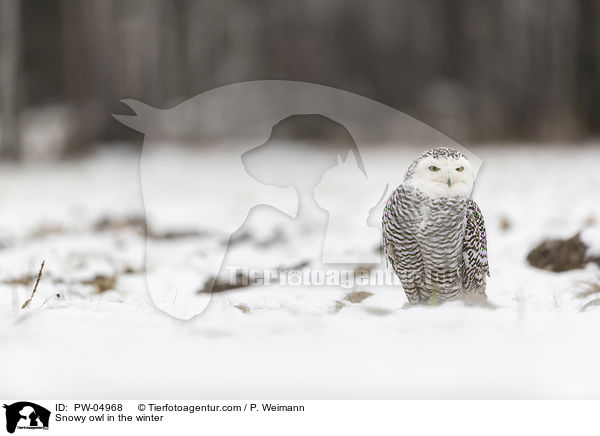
(238, 162)
(26, 415)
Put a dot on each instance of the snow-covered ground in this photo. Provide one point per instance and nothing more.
(85, 219)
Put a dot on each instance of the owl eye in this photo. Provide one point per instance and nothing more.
(433, 168)
(459, 169)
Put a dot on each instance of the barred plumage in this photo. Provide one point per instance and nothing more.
(434, 236)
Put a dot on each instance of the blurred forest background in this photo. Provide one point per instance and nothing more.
(477, 70)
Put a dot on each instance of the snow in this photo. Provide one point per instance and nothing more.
(591, 239)
(295, 341)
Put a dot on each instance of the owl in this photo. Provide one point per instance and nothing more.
(433, 233)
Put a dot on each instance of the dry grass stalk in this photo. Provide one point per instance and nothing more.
(588, 287)
(26, 304)
(336, 306)
(589, 304)
(243, 307)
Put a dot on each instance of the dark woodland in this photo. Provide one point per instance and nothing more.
(479, 71)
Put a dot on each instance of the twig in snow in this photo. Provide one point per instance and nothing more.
(26, 304)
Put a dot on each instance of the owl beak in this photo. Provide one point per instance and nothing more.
(449, 182)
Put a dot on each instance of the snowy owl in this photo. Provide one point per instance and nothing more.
(433, 233)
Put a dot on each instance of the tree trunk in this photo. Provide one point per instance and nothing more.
(10, 50)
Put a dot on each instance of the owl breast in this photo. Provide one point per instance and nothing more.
(439, 226)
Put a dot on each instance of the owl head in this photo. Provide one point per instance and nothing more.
(441, 172)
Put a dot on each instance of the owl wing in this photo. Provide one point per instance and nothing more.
(475, 265)
(399, 243)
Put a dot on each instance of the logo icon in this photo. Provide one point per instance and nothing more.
(26, 415)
